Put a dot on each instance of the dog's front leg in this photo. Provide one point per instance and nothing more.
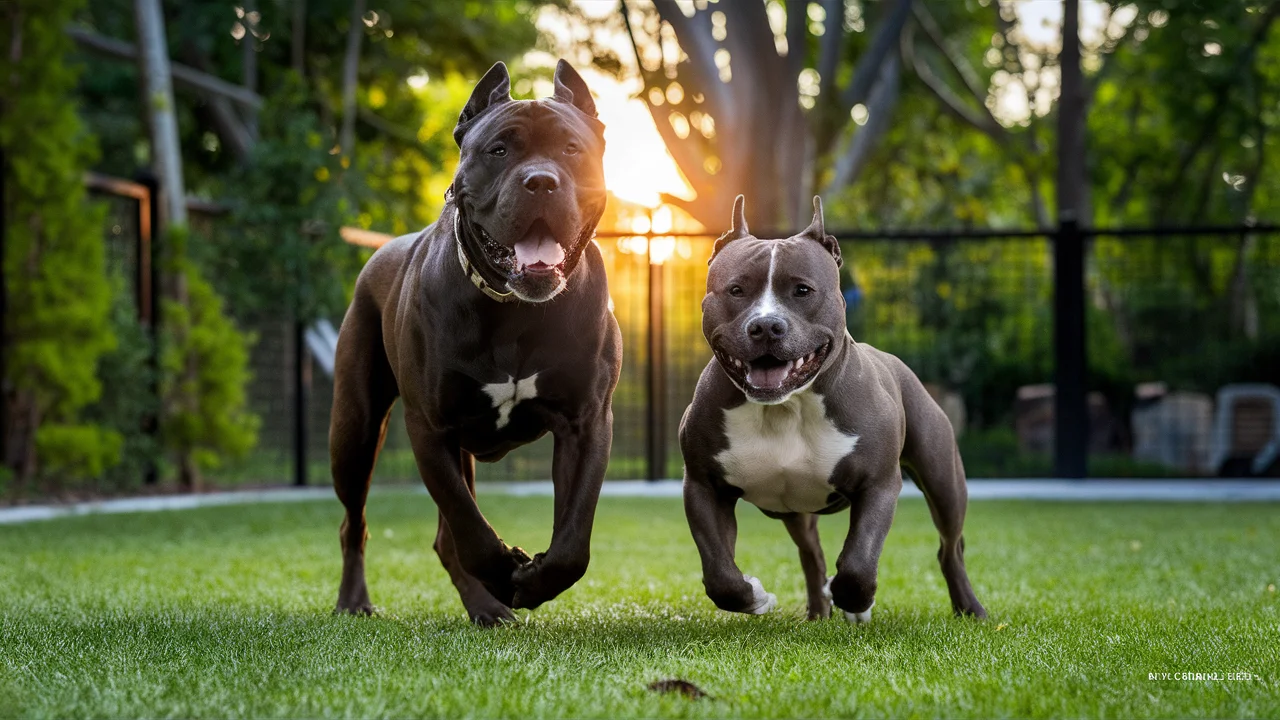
(577, 471)
(481, 552)
(872, 504)
(715, 532)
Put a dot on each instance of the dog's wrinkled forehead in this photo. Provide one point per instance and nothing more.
(758, 258)
(545, 120)
(571, 104)
(814, 236)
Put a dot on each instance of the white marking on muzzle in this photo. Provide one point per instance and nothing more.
(768, 302)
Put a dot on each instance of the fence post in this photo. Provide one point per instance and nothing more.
(4, 328)
(655, 378)
(147, 282)
(299, 403)
(1071, 417)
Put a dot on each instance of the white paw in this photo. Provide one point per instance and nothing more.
(762, 601)
(826, 589)
(862, 617)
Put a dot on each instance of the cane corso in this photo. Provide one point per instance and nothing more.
(493, 327)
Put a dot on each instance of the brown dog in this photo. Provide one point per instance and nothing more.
(493, 326)
(797, 418)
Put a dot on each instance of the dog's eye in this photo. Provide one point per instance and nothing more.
(802, 290)
(735, 290)
(571, 149)
(498, 151)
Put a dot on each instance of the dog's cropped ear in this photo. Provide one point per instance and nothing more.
(572, 89)
(493, 89)
(817, 231)
(736, 232)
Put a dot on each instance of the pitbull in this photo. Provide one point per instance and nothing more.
(794, 416)
(493, 326)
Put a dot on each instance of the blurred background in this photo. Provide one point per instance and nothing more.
(1070, 241)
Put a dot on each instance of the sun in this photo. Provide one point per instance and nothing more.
(637, 165)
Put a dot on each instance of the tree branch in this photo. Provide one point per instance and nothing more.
(350, 78)
(696, 42)
(1209, 120)
(855, 153)
(832, 43)
(864, 76)
(183, 75)
(962, 68)
(951, 102)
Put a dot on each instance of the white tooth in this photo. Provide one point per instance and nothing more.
(790, 365)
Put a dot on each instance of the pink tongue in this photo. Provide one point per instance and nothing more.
(538, 248)
(768, 379)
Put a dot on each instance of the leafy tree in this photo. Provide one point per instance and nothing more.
(59, 297)
(204, 369)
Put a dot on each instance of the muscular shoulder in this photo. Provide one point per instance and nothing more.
(384, 269)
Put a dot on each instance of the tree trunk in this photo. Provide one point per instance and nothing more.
(350, 78)
(166, 162)
(298, 43)
(1071, 178)
(157, 85)
(249, 62)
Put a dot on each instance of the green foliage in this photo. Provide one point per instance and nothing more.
(966, 315)
(77, 450)
(279, 250)
(204, 369)
(54, 261)
(128, 401)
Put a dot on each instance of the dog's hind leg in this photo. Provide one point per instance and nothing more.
(932, 459)
(363, 391)
(803, 528)
(482, 607)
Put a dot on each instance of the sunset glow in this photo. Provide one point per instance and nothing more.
(637, 165)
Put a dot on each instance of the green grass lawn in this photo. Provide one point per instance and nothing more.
(226, 612)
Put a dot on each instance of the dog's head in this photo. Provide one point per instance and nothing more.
(530, 182)
(773, 309)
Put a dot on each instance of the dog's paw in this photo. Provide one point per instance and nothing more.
(495, 571)
(762, 601)
(859, 618)
(545, 578)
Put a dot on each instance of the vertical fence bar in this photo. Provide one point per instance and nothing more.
(4, 314)
(1071, 419)
(299, 403)
(655, 378)
(147, 281)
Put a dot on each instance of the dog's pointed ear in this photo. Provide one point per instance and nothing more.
(572, 89)
(493, 89)
(736, 232)
(817, 230)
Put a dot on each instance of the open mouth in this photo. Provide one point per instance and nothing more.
(537, 253)
(770, 375)
(502, 257)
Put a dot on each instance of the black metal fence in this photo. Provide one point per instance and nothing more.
(1164, 344)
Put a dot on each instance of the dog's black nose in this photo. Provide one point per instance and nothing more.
(541, 181)
(767, 327)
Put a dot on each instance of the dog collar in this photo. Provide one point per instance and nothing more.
(469, 268)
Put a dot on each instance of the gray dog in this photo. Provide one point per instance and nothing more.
(800, 420)
(493, 327)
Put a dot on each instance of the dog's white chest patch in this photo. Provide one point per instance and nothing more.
(505, 395)
(782, 455)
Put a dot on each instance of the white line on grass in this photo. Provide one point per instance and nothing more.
(1028, 489)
